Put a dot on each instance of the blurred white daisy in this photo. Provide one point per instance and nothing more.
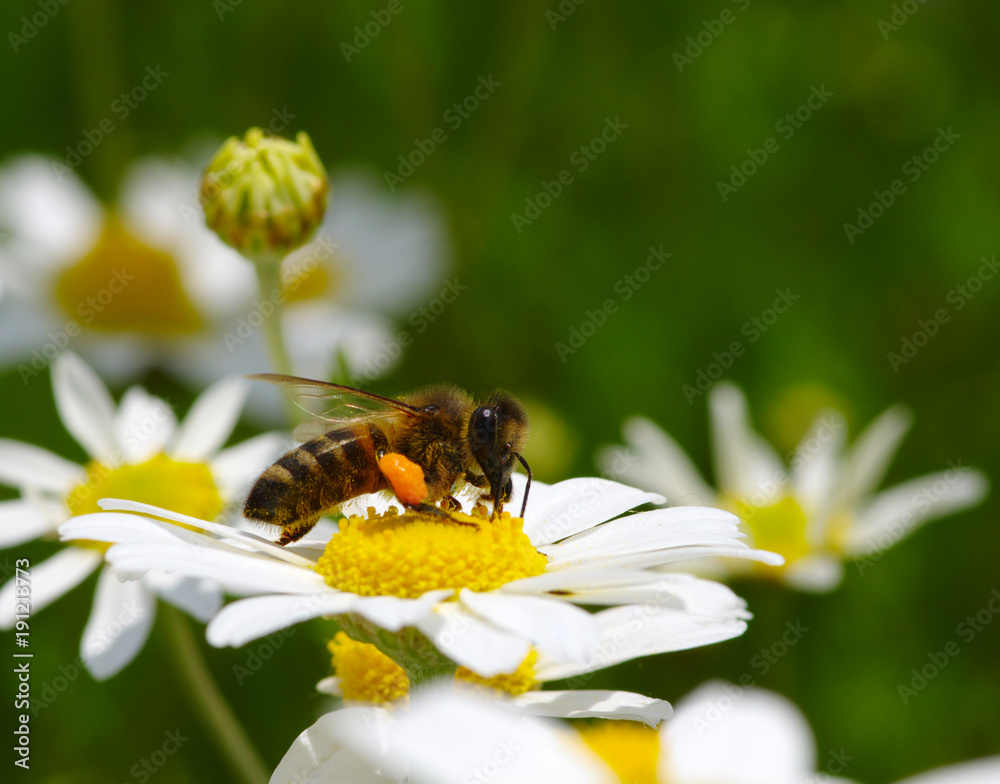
(720, 733)
(818, 509)
(147, 283)
(482, 594)
(137, 450)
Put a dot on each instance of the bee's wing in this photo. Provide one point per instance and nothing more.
(331, 405)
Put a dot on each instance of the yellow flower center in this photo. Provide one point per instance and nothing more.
(368, 675)
(407, 555)
(123, 285)
(187, 488)
(631, 750)
(780, 527)
(308, 279)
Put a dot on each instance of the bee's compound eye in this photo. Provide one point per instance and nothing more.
(431, 409)
(483, 426)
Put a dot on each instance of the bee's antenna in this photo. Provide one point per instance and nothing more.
(527, 487)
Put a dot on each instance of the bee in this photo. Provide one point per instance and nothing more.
(441, 429)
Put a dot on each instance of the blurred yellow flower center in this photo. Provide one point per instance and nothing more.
(368, 675)
(780, 527)
(407, 555)
(302, 282)
(631, 750)
(187, 488)
(123, 285)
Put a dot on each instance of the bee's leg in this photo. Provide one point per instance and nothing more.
(292, 532)
(450, 503)
(477, 480)
(436, 510)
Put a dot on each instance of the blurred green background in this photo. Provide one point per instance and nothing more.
(561, 77)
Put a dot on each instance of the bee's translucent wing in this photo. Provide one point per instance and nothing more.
(333, 404)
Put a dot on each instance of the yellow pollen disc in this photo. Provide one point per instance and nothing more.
(407, 555)
(517, 682)
(368, 675)
(780, 528)
(631, 750)
(123, 285)
(187, 488)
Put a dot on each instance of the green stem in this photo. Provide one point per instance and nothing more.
(225, 728)
(269, 281)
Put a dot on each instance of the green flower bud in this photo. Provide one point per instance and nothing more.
(265, 195)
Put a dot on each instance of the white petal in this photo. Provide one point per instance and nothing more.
(981, 771)
(118, 626)
(237, 467)
(644, 630)
(54, 214)
(747, 466)
(722, 732)
(566, 508)
(22, 521)
(49, 580)
(653, 460)
(393, 613)
(451, 739)
(143, 425)
(871, 453)
(585, 704)
(660, 529)
(210, 421)
(683, 591)
(27, 465)
(85, 407)
(816, 464)
(249, 619)
(326, 751)
(895, 513)
(330, 686)
(198, 598)
(237, 572)
(548, 623)
(117, 527)
(471, 642)
(815, 573)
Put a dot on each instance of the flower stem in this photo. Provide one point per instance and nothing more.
(269, 281)
(225, 728)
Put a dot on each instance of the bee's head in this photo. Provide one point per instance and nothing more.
(498, 431)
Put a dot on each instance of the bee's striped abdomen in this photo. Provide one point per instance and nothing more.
(315, 477)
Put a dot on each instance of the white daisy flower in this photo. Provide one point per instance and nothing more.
(149, 284)
(137, 450)
(483, 594)
(719, 733)
(132, 287)
(819, 508)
